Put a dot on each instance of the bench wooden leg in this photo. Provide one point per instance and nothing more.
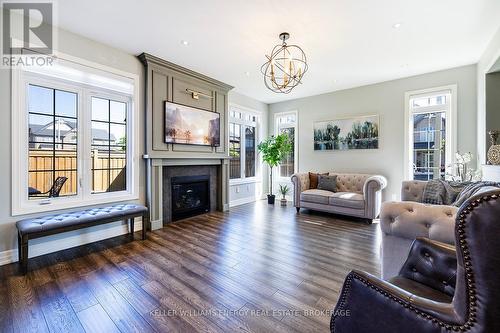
(144, 226)
(132, 225)
(24, 254)
(19, 248)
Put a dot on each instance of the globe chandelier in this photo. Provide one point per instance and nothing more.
(285, 66)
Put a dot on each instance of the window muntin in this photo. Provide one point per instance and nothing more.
(52, 141)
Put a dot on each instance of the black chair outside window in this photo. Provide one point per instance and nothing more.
(53, 192)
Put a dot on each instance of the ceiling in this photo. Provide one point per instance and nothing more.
(348, 43)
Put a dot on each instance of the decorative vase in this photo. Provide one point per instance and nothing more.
(494, 155)
(270, 199)
(283, 202)
(494, 151)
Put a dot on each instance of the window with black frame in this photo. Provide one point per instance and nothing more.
(109, 145)
(243, 127)
(250, 151)
(52, 142)
(234, 151)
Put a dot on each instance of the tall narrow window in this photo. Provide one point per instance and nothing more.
(234, 151)
(52, 142)
(287, 123)
(250, 152)
(430, 139)
(243, 128)
(109, 145)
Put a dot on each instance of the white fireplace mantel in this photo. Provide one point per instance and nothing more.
(189, 161)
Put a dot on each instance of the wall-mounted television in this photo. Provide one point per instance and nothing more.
(191, 126)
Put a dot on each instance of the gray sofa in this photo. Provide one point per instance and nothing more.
(358, 195)
(402, 222)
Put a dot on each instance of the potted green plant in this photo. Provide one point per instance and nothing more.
(274, 150)
(284, 189)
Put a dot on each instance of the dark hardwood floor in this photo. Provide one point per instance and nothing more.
(257, 268)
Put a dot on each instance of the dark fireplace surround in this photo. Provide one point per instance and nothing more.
(189, 191)
(190, 195)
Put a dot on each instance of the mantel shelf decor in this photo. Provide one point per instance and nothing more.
(285, 66)
(494, 151)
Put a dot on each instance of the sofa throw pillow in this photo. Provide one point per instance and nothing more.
(313, 179)
(327, 183)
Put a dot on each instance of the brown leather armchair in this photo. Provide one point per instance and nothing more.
(438, 289)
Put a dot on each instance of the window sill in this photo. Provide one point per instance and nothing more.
(244, 181)
(284, 179)
(73, 203)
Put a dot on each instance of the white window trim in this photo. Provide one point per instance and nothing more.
(19, 120)
(279, 178)
(258, 133)
(451, 126)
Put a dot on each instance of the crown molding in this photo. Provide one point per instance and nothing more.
(147, 59)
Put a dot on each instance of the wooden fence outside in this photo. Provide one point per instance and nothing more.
(67, 160)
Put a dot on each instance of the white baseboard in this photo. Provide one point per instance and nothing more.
(157, 224)
(242, 201)
(49, 244)
(6, 257)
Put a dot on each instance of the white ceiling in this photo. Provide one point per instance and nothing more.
(348, 43)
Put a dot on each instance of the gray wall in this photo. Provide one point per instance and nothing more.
(492, 103)
(239, 193)
(80, 47)
(488, 63)
(248, 102)
(387, 100)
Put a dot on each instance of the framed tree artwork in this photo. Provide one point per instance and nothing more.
(360, 132)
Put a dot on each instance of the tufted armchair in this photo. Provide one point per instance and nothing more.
(439, 288)
(357, 195)
(402, 222)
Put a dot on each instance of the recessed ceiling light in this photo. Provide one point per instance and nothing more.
(396, 25)
(184, 42)
(247, 73)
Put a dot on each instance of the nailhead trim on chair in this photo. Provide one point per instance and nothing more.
(469, 275)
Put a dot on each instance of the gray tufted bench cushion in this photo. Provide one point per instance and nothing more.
(53, 224)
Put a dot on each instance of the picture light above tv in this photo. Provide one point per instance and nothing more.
(191, 126)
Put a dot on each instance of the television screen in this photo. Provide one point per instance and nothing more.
(191, 126)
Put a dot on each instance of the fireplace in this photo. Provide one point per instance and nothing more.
(190, 196)
(188, 190)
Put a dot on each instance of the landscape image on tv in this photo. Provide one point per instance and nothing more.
(191, 126)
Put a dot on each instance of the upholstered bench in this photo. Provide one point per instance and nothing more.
(58, 223)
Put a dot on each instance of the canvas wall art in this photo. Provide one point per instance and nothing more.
(361, 132)
(191, 126)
